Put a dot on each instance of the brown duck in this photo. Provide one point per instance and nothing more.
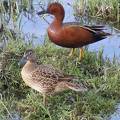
(71, 34)
(45, 78)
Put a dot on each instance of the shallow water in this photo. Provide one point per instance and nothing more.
(116, 114)
(38, 26)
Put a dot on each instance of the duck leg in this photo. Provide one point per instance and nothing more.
(44, 99)
(72, 52)
(81, 55)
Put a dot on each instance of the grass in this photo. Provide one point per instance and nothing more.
(102, 9)
(100, 75)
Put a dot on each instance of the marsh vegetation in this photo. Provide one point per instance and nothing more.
(103, 9)
(18, 101)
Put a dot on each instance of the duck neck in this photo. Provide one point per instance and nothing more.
(30, 66)
(58, 20)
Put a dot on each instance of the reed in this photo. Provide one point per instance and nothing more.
(102, 9)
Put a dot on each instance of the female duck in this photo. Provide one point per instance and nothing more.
(45, 78)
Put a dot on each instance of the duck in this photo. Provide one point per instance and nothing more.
(46, 79)
(71, 34)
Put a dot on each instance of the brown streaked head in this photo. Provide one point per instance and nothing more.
(29, 55)
(55, 9)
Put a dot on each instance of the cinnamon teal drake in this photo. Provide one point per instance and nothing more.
(71, 34)
(45, 78)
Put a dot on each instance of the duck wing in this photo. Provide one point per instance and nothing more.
(92, 27)
(97, 31)
(48, 71)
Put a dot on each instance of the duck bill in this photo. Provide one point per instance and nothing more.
(22, 62)
(42, 12)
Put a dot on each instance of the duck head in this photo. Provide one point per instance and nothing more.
(55, 9)
(29, 55)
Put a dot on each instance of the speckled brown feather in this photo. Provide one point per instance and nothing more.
(47, 71)
(45, 78)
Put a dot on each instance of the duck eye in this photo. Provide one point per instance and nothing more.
(30, 53)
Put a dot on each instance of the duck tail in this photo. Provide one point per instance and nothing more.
(76, 87)
(101, 35)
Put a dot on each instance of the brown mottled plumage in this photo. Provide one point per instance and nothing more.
(45, 78)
